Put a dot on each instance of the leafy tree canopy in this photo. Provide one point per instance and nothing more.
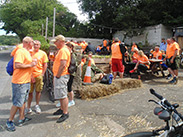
(132, 14)
(27, 16)
(9, 40)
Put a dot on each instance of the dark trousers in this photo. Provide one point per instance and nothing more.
(129, 66)
(141, 68)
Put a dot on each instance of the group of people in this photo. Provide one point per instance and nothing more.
(30, 64)
(168, 52)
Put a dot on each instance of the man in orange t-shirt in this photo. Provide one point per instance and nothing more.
(172, 58)
(61, 77)
(37, 76)
(21, 82)
(16, 48)
(117, 64)
(133, 46)
(157, 54)
(105, 43)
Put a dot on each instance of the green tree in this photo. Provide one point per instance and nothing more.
(130, 15)
(26, 17)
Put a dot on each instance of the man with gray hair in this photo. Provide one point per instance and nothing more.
(23, 64)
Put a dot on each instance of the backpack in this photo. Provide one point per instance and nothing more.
(72, 67)
(9, 67)
(107, 79)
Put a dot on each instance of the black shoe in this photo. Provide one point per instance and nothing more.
(173, 81)
(63, 118)
(169, 76)
(22, 122)
(58, 112)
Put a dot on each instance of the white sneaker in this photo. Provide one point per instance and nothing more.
(71, 103)
(58, 105)
(37, 109)
(28, 111)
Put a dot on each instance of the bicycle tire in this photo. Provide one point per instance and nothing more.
(141, 134)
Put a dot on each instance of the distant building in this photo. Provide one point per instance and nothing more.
(178, 33)
(151, 34)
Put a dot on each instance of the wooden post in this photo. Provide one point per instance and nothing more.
(46, 31)
(54, 12)
(42, 29)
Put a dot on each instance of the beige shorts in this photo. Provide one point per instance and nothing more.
(38, 85)
(96, 78)
(60, 87)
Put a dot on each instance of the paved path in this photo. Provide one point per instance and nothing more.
(111, 116)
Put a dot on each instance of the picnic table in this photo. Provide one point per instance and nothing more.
(157, 63)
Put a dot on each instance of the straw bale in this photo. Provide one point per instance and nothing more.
(100, 90)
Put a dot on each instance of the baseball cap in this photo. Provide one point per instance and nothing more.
(59, 37)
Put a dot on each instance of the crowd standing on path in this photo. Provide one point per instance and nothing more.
(30, 64)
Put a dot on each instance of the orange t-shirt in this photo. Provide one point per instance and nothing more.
(170, 50)
(22, 76)
(42, 58)
(143, 60)
(133, 46)
(157, 55)
(17, 47)
(105, 43)
(116, 52)
(83, 46)
(135, 57)
(63, 54)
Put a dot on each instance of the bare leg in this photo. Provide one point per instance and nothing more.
(64, 105)
(38, 96)
(29, 100)
(21, 112)
(171, 72)
(13, 112)
(121, 74)
(71, 95)
(114, 74)
(176, 72)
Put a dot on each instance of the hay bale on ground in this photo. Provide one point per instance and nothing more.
(128, 83)
(100, 90)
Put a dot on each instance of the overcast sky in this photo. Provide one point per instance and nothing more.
(72, 6)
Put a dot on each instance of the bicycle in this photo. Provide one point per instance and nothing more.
(48, 84)
(166, 112)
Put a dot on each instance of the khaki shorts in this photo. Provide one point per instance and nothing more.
(60, 87)
(38, 85)
(96, 77)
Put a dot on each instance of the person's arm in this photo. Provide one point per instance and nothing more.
(96, 69)
(61, 68)
(44, 68)
(19, 65)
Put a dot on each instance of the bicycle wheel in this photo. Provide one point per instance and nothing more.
(141, 134)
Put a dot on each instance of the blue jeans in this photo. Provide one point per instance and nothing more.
(20, 94)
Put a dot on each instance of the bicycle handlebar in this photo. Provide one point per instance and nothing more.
(160, 97)
(171, 107)
(156, 94)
